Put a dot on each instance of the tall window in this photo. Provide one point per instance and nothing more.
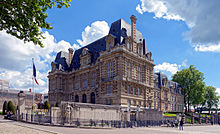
(128, 70)
(77, 83)
(109, 89)
(138, 91)
(133, 90)
(110, 70)
(85, 84)
(149, 78)
(63, 84)
(128, 89)
(93, 79)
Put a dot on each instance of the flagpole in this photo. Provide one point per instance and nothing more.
(33, 92)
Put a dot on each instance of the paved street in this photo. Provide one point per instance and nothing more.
(20, 128)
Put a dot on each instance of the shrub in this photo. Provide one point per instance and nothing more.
(11, 107)
(5, 108)
(46, 105)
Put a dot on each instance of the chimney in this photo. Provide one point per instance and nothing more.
(70, 55)
(133, 32)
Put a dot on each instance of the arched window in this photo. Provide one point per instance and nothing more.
(76, 98)
(92, 97)
(84, 100)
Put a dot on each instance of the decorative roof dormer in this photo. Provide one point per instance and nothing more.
(110, 41)
(85, 57)
(128, 43)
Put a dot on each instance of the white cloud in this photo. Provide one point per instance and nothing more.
(172, 68)
(159, 8)
(201, 16)
(16, 56)
(16, 60)
(208, 48)
(91, 33)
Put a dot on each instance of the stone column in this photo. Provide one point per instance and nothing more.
(21, 104)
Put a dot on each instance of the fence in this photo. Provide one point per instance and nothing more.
(76, 122)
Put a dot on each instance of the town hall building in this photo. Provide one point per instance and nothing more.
(116, 69)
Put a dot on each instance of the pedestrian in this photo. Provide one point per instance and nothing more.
(181, 124)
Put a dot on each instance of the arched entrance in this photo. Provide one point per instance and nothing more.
(84, 100)
(92, 98)
(76, 98)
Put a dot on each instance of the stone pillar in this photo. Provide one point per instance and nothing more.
(206, 119)
(21, 104)
(200, 119)
(212, 119)
(192, 118)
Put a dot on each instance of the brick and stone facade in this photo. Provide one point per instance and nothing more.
(114, 70)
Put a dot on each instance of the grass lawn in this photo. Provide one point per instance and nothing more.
(169, 114)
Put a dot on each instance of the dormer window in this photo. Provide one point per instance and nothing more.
(110, 41)
(128, 45)
(84, 51)
(109, 46)
(85, 57)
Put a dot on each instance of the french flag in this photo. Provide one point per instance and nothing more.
(34, 73)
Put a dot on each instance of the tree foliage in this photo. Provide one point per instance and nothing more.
(46, 105)
(11, 107)
(5, 107)
(24, 18)
(211, 97)
(191, 81)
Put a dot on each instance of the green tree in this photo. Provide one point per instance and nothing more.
(46, 105)
(211, 97)
(5, 107)
(191, 81)
(11, 107)
(24, 18)
(198, 94)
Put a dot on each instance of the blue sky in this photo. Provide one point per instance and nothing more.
(177, 34)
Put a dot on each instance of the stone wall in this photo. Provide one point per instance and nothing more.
(70, 112)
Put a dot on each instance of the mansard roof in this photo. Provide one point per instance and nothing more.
(159, 77)
(119, 30)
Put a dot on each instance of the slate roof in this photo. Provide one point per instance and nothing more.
(159, 77)
(119, 30)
